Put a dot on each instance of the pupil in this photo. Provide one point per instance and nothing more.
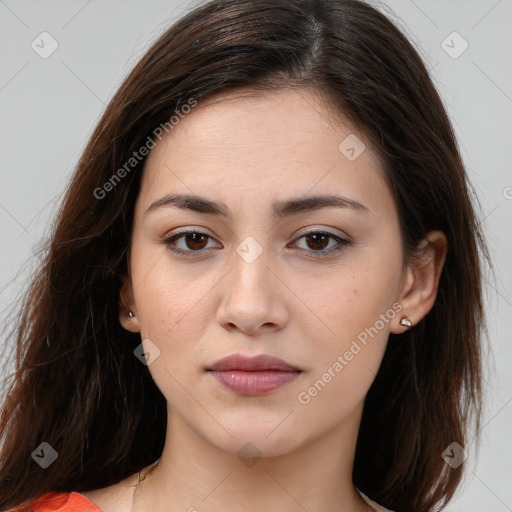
(195, 237)
(317, 236)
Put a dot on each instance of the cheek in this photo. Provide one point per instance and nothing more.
(346, 361)
(169, 301)
(352, 299)
(172, 315)
(355, 306)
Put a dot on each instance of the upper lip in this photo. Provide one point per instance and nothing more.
(260, 362)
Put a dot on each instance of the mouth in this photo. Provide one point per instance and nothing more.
(253, 376)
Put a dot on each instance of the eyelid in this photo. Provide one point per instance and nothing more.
(320, 229)
(188, 230)
(302, 232)
(343, 241)
(180, 233)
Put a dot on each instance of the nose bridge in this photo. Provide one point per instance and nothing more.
(249, 267)
(250, 299)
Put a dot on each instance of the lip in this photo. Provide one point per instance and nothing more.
(260, 362)
(253, 376)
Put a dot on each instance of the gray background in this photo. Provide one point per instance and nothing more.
(48, 108)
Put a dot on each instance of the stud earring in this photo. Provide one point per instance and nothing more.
(131, 315)
(405, 322)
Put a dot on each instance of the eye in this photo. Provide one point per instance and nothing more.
(319, 240)
(195, 241)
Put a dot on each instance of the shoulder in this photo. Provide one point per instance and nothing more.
(115, 498)
(63, 502)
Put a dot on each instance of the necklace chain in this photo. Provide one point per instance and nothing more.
(147, 472)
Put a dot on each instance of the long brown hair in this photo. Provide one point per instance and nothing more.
(77, 384)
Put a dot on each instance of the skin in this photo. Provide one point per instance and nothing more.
(248, 150)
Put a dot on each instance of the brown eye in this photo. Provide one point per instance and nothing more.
(195, 241)
(192, 243)
(318, 241)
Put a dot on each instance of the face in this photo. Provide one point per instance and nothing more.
(263, 266)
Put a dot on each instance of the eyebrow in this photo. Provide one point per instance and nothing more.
(279, 209)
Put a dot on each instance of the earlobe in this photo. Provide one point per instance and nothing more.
(419, 292)
(127, 311)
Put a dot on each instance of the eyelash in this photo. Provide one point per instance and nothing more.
(342, 243)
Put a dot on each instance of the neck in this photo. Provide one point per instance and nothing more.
(193, 475)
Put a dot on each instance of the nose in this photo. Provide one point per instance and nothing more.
(253, 296)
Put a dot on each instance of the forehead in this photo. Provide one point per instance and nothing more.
(277, 143)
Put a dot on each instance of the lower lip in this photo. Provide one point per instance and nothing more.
(254, 383)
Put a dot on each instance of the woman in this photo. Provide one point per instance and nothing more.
(263, 288)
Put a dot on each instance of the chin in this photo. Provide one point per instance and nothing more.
(252, 440)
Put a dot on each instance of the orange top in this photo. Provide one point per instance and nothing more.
(76, 502)
(64, 502)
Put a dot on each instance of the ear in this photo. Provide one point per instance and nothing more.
(127, 311)
(420, 281)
